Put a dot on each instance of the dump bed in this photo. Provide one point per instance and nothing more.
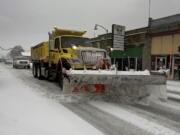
(40, 52)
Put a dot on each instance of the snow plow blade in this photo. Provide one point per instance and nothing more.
(115, 86)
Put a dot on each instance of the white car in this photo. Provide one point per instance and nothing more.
(21, 63)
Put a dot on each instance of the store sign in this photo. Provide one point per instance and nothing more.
(118, 34)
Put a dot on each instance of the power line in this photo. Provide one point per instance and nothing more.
(5, 49)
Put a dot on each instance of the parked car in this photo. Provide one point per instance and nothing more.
(21, 62)
(8, 61)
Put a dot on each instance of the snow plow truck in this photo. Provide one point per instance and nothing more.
(81, 69)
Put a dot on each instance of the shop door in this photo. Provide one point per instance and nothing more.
(177, 68)
(160, 63)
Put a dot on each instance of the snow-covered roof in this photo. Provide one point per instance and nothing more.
(26, 53)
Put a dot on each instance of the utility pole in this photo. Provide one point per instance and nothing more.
(147, 64)
(149, 9)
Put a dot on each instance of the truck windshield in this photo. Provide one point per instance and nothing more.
(67, 42)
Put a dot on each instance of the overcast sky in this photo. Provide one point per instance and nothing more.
(27, 22)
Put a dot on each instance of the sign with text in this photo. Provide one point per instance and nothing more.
(118, 34)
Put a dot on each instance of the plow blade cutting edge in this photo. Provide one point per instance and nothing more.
(115, 86)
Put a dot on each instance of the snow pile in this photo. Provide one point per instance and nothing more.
(23, 112)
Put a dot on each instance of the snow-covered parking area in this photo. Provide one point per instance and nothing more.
(24, 112)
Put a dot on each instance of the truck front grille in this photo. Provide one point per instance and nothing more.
(91, 57)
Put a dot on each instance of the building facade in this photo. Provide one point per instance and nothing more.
(156, 47)
(133, 56)
(165, 45)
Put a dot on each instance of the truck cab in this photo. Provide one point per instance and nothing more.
(73, 50)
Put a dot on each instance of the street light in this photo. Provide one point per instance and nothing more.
(106, 36)
(97, 25)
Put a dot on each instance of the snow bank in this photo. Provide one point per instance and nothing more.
(23, 112)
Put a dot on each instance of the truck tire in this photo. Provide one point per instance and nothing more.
(60, 80)
(60, 76)
(47, 74)
(34, 70)
(39, 76)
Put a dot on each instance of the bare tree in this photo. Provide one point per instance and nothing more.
(16, 51)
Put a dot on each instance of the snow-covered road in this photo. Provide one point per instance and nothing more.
(24, 112)
(173, 89)
(173, 85)
(32, 106)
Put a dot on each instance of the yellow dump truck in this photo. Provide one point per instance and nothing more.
(66, 49)
(69, 57)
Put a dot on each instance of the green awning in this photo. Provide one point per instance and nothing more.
(130, 51)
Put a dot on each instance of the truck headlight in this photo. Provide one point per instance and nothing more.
(74, 47)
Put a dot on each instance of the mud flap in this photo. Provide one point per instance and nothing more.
(116, 88)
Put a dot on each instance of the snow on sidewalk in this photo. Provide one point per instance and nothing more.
(134, 119)
(24, 112)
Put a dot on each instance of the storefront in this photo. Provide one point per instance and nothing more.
(131, 58)
(165, 54)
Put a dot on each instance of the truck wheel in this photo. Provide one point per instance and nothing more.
(39, 76)
(34, 70)
(60, 80)
(46, 74)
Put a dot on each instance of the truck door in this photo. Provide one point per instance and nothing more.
(56, 52)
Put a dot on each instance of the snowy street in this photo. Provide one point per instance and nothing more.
(33, 107)
(24, 112)
(173, 89)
